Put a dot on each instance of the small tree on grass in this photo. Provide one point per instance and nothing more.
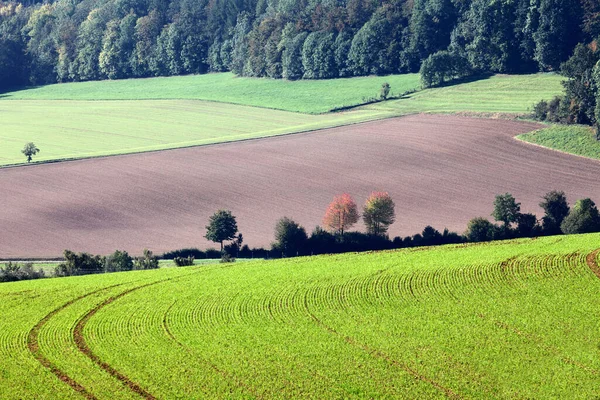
(341, 214)
(147, 261)
(379, 213)
(30, 150)
(221, 226)
(385, 91)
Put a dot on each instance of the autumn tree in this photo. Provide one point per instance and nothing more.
(341, 214)
(221, 226)
(379, 213)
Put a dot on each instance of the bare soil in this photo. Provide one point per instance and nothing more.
(441, 170)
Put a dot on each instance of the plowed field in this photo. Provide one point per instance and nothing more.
(440, 170)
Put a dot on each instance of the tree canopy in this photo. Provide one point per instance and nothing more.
(221, 226)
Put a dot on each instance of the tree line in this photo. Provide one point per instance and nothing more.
(75, 40)
(378, 213)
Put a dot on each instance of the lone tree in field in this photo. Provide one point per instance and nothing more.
(341, 214)
(385, 91)
(30, 150)
(556, 207)
(506, 209)
(378, 213)
(221, 226)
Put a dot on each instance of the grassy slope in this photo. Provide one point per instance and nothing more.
(574, 139)
(81, 128)
(74, 129)
(513, 94)
(513, 319)
(306, 96)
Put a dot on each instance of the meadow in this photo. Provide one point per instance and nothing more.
(304, 96)
(498, 94)
(79, 129)
(574, 139)
(138, 115)
(505, 319)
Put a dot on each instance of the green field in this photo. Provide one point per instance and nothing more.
(499, 94)
(90, 119)
(75, 129)
(574, 139)
(517, 319)
(305, 96)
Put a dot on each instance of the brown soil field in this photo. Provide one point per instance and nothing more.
(440, 170)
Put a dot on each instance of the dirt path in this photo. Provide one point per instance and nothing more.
(440, 170)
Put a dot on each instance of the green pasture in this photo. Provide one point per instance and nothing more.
(89, 119)
(574, 139)
(74, 129)
(515, 319)
(498, 94)
(305, 96)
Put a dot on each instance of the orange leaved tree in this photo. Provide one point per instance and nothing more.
(341, 214)
(379, 213)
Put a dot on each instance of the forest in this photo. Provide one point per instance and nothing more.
(79, 40)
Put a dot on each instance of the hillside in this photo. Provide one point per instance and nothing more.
(132, 116)
(505, 319)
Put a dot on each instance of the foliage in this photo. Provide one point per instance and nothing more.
(506, 209)
(583, 218)
(341, 214)
(384, 92)
(79, 264)
(290, 237)
(19, 272)
(556, 208)
(30, 150)
(118, 261)
(379, 213)
(479, 230)
(442, 67)
(184, 261)
(221, 226)
(147, 261)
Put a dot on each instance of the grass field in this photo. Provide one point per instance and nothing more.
(512, 319)
(574, 139)
(305, 96)
(498, 94)
(76, 129)
(139, 115)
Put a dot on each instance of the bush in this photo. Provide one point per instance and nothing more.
(19, 272)
(479, 230)
(118, 261)
(227, 258)
(147, 261)
(443, 67)
(184, 261)
(192, 252)
(79, 264)
(212, 253)
(385, 91)
(583, 218)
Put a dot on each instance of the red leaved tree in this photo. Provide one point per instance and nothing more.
(341, 214)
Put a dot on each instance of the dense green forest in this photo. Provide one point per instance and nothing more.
(77, 40)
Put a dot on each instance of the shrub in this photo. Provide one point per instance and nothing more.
(583, 218)
(79, 264)
(118, 261)
(19, 272)
(192, 252)
(184, 261)
(479, 230)
(147, 261)
(385, 91)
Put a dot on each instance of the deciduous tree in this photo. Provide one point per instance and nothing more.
(341, 214)
(379, 213)
(30, 150)
(221, 226)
